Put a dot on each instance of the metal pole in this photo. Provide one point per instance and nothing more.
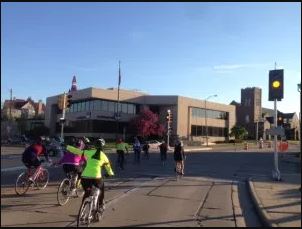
(276, 172)
(118, 101)
(206, 122)
(168, 132)
(10, 104)
(63, 116)
(256, 131)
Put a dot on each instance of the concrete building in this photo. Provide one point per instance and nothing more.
(93, 113)
(256, 119)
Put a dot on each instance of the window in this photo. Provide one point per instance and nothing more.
(111, 106)
(124, 108)
(87, 106)
(104, 106)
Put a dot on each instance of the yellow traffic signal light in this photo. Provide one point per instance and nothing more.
(275, 85)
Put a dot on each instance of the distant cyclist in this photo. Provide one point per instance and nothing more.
(179, 155)
(92, 174)
(30, 156)
(121, 148)
(146, 147)
(137, 150)
(163, 151)
(73, 163)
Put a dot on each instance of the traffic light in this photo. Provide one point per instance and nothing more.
(168, 116)
(275, 85)
(68, 101)
(61, 102)
(280, 121)
(171, 117)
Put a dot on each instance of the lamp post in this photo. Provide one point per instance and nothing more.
(205, 107)
(299, 90)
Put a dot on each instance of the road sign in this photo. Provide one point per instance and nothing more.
(276, 131)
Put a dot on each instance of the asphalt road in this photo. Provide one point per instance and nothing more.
(147, 194)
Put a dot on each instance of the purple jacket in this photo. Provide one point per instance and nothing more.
(72, 159)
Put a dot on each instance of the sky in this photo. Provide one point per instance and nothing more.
(188, 49)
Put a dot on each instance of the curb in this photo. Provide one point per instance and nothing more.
(259, 206)
(239, 218)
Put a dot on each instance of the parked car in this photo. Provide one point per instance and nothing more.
(154, 144)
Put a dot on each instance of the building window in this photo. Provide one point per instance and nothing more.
(212, 131)
(125, 108)
(202, 113)
(104, 105)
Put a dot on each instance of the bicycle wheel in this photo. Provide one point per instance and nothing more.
(42, 179)
(63, 191)
(22, 184)
(178, 171)
(84, 216)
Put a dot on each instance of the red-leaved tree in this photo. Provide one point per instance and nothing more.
(147, 124)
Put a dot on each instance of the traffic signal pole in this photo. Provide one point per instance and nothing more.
(276, 172)
(63, 116)
(168, 132)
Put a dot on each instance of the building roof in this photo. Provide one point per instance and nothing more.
(19, 103)
(235, 103)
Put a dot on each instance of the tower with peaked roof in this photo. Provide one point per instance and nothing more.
(73, 84)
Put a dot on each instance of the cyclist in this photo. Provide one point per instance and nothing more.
(146, 147)
(92, 174)
(30, 156)
(179, 155)
(121, 148)
(73, 163)
(163, 151)
(137, 150)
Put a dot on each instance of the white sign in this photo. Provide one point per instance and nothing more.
(276, 131)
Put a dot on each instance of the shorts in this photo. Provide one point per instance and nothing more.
(69, 168)
(178, 157)
(33, 162)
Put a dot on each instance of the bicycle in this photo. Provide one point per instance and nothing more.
(117, 166)
(65, 191)
(178, 172)
(40, 180)
(88, 212)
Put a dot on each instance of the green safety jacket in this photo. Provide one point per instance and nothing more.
(93, 167)
(122, 146)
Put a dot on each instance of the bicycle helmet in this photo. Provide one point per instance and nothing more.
(100, 142)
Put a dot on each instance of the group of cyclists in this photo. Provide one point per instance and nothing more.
(87, 159)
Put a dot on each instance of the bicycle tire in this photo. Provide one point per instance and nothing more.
(43, 178)
(84, 209)
(63, 191)
(22, 178)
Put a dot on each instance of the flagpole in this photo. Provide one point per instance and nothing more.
(118, 99)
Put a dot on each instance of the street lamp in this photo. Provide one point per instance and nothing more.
(299, 90)
(205, 107)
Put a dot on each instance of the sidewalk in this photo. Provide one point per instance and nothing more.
(279, 202)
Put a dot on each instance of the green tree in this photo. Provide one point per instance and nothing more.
(238, 132)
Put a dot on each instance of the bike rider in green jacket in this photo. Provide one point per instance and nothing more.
(121, 148)
(92, 176)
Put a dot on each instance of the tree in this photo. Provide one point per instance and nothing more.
(238, 132)
(147, 124)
